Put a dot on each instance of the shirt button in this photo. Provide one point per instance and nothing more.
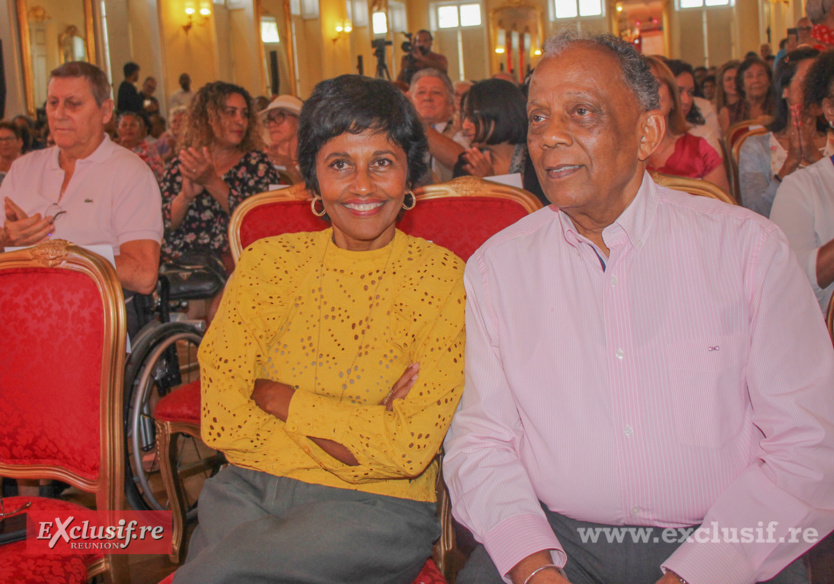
(636, 510)
(628, 431)
(639, 244)
(620, 354)
(613, 281)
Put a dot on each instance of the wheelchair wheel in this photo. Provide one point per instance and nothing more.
(164, 359)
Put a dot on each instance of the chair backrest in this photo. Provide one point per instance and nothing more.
(62, 354)
(463, 213)
(459, 215)
(272, 213)
(735, 154)
(693, 186)
(738, 129)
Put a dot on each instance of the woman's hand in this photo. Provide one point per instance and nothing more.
(794, 149)
(273, 397)
(402, 386)
(478, 163)
(807, 128)
(197, 166)
(189, 190)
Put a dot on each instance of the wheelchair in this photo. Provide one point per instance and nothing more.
(164, 357)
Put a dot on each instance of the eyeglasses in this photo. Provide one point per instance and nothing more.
(805, 28)
(8, 138)
(275, 117)
(4, 514)
(54, 211)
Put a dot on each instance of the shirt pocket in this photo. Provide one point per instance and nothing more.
(707, 389)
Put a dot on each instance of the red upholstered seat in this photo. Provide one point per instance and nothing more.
(18, 566)
(460, 224)
(62, 347)
(428, 575)
(181, 405)
(286, 217)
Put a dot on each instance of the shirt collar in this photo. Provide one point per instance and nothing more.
(633, 224)
(100, 154)
(103, 151)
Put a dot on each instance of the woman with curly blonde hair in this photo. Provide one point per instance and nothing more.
(219, 165)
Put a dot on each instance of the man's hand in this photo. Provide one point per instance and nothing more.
(22, 229)
(522, 570)
(137, 265)
(670, 578)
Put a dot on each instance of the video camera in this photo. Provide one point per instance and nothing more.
(378, 45)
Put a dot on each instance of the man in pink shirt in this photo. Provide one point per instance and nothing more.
(639, 362)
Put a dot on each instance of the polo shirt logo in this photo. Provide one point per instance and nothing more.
(88, 200)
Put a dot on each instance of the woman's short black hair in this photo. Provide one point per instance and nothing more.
(354, 103)
(819, 83)
(499, 111)
(785, 71)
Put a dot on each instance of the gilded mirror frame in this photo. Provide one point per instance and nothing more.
(26, 51)
(495, 17)
(289, 44)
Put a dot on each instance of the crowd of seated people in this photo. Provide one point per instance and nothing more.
(754, 80)
(795, 138)
(804, 203)
(132, 130)
(681, 153)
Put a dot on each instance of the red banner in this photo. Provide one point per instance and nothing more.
(108, 532)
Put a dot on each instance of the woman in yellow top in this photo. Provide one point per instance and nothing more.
(333, 367)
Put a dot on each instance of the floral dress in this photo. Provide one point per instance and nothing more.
(150, 156)
(206, 225)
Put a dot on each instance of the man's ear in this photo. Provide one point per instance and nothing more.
(652, 128)
(107, 110)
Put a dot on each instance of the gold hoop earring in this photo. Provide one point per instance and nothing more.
(413, 201)
(313, 207)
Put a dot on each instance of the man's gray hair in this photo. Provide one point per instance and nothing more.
(817, 10)
(636, 73)
(429, 72)
(99, 85)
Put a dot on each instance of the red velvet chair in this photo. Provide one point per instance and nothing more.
(62, 352)
(459, 215)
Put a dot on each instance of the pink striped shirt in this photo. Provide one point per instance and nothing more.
(690, 381)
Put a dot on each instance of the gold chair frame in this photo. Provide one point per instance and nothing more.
(168, 454)
(472, 186)
(293, 193)
(109, 486)
(693, 186)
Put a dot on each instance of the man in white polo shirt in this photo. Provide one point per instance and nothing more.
(86, 189)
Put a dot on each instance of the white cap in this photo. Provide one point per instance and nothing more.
(288, 103)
